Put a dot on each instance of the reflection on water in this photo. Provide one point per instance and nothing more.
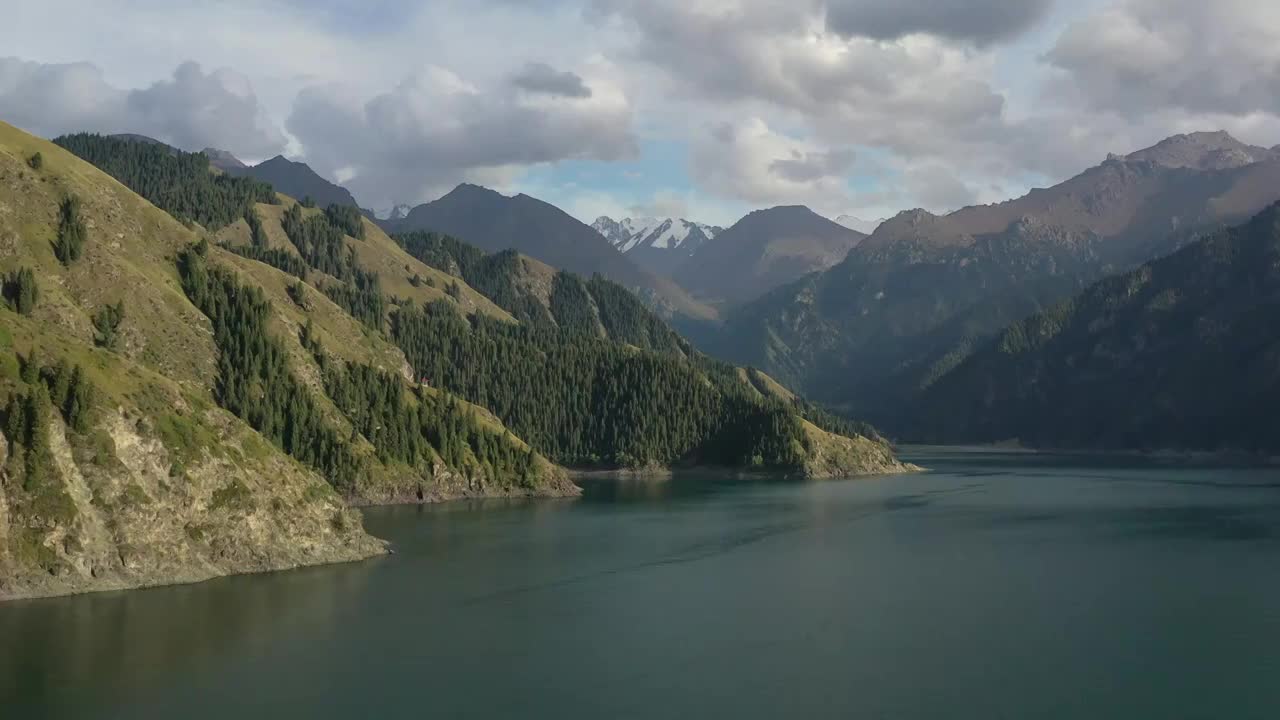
(996, 585)
(110, 647)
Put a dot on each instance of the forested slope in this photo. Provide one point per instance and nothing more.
(1182, 353)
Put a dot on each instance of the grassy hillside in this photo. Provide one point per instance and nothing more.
(157, 484)
(217, 426)
(593, 378)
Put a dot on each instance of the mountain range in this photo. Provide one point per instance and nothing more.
(1181, 353)
(911, 301)
(496, 222)
(199, 375)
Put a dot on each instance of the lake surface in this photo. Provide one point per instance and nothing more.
(996, 586)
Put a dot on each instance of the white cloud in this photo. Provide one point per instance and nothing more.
(752, 162)
(192, 110)
(987, 93)
(436, 128)
(1141, 56)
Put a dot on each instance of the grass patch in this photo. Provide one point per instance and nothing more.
(134, 496)
(186, 439)
(235, 496)
(318, 492)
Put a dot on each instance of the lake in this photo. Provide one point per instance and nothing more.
(995, 586)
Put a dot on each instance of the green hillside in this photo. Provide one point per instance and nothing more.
(593, 378)
(198, 376)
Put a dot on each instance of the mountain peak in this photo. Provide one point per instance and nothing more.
(1216, 150)
(655, 233)
(298, 180)
(223, 160)
(764, 250)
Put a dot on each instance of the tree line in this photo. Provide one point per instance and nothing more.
(177, 182)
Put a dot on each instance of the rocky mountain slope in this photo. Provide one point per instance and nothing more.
(656, 244)
(495, 222)
(764, 250)
(1181, 353)
(917, 296)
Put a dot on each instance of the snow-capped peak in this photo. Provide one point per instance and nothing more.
(865, 227)
(658, 233)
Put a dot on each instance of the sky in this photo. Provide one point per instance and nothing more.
(703, 109)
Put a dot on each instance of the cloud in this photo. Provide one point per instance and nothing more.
(192, 110)
(750, 161)
(978, 21)
(937, 189)
(542, 78)
(1136, 57)
(51, 100)
(778, 57)
(195, 110)
(664, 203)
(436, 128)
(809, 166)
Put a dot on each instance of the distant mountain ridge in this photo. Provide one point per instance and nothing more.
(1181, 353)
(923, 291)
(495, 222)
(764, 250)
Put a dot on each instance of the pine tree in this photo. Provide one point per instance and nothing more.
(20, 291)
(72, 234)
(106, 325)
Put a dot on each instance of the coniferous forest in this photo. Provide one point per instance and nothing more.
(177, 182)
(589, 376)
(588, 401)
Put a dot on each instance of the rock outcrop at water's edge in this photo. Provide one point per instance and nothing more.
(111, 514)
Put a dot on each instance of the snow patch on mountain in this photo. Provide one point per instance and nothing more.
(657, 233)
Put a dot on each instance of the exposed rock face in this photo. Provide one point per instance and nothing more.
(115, 513)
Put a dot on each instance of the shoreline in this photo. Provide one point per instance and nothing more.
(558, 492)
(1219, 458)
